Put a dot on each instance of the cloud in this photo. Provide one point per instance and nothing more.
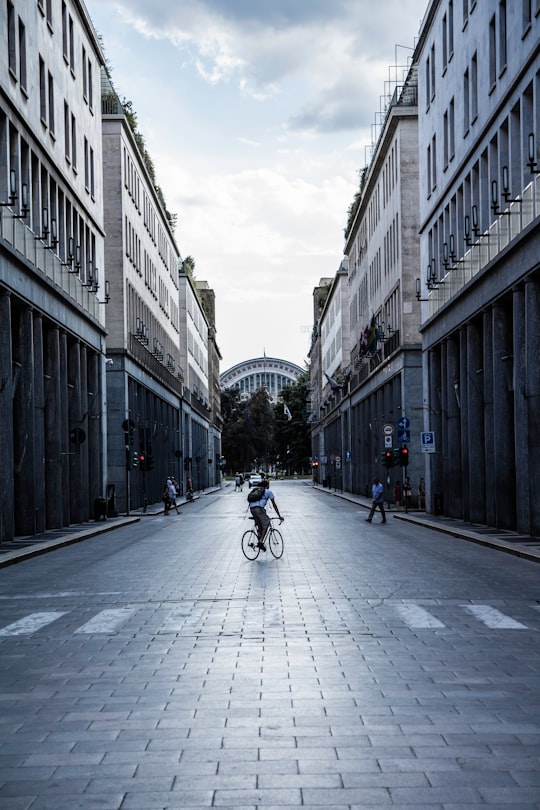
(262, 46)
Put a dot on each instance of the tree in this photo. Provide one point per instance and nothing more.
(247, 438)
(293, 436)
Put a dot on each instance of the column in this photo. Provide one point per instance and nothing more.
(464, 422)
(76, 423)
(452, 472)
(522, 437)
(489, 430)
(7, 469)
(532, 353)
(23, 425)
(39, 423)
(53, 431)
(434, 480)
(503, 420)
(476, 483)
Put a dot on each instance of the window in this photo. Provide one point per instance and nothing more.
(71, 44)
(12, 53)
(434, 162)
(527, 15)
(42, 92)
(84, 74)
(444, 42)
(465, 12)
(445, 140)
(86, 165)
(428, 167)
(92, 173)
(65, 49)
(22, 55)
(474, 87)
(451, 131)
(428, 81)
(73, 141)
(502, 36)
(67, 136)
(433, 71)
(450, 29)
(51, 104)
(90, 87)
(466, 108)
(492, 52)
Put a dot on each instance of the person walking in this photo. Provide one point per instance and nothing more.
(377, 494)
(422, 494)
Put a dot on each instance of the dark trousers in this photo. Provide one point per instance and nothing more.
(374, 506)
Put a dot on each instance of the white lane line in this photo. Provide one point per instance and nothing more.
(29, 624)
(417, 617)
(493, 618)
(106, 621)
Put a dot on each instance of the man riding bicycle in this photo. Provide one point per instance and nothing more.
(258, 511)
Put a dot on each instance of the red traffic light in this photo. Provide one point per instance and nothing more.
(404, 456)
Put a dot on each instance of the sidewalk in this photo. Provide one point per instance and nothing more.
(23, 548)
(520, 545)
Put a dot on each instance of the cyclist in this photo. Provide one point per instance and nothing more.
(258, 510)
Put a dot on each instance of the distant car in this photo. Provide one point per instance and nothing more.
(255, 480)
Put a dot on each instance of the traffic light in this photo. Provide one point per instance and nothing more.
(142, 461)
(388, 458)
(128, 426)
(404, 456)
(132, 459)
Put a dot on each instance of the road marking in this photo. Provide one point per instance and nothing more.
(29, 624)
(417, 617)
(106, 621)
(493, 618)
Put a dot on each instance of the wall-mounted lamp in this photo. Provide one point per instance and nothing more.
(12, 189)
(419, 291)
(495, 200)
(506, 193)
(25, 208)
(533, 162)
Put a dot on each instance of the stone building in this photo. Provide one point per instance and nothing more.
(145, 377)
(369, 381)
(52, 291)
(479, 98)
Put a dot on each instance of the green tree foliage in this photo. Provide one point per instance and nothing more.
(247, 439)
(293, 436)
(256, 435)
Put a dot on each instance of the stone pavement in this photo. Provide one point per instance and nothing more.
(154, 668)
(509, 542)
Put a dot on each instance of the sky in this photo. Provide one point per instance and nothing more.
(258, 116)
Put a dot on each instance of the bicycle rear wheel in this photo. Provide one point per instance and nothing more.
(275, 543)
(250, 544)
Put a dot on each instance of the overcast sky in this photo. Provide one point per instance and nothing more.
(258, 115)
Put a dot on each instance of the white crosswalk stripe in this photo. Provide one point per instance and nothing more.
(417, 617)
(106, 621)
(29, 624)
(493, 618)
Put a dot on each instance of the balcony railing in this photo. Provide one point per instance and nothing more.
(508, 225)
(47, 263)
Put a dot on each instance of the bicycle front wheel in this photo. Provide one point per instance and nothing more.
(275, 543)
(250, 544)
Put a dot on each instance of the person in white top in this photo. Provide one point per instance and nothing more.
(258, 510)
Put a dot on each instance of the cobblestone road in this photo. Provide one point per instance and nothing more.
(372, 666)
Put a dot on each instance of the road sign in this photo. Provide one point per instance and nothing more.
(403, 423)
(388, 441)
(428, 441)
(404, 436)
(388, 429)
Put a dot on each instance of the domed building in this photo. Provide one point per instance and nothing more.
(268, 372)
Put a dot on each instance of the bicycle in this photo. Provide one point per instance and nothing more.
(273, 541)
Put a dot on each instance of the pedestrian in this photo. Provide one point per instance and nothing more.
(422, 494)
(397, 494)
(377, 495)
(172, 495)
(238, 482)
(166, 497)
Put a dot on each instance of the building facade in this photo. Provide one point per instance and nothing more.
(145, 378)
(261, 372)
(52, 291)
(369, 382)
(479, 98)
